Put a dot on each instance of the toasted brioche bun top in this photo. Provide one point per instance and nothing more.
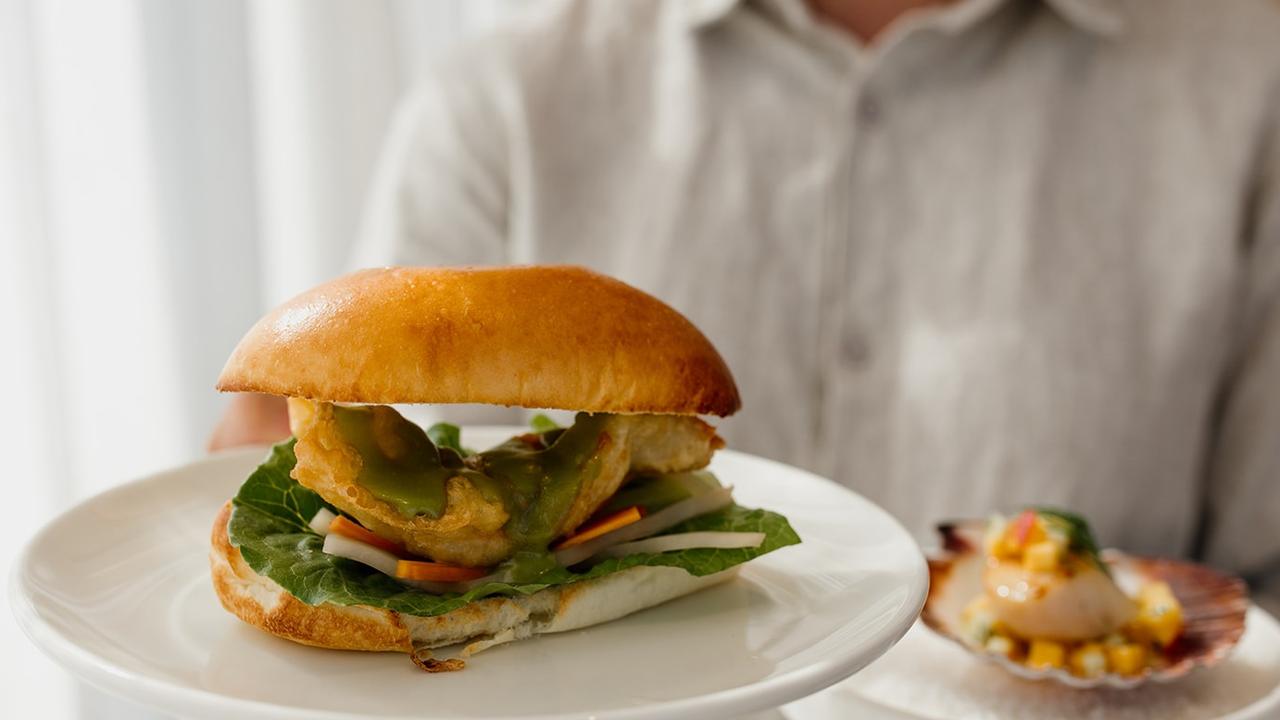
(536, 336)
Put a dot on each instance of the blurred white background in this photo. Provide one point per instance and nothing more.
(168, 170)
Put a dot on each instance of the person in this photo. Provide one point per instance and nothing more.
(961, 256)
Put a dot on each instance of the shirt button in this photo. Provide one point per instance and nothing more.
(869, 110)
(855, 349)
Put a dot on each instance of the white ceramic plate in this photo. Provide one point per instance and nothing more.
(117, 590)
(927, 677)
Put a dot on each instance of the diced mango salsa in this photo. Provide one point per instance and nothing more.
(1036, 534)
(994, 535)
(1114, 638)
(1023, 531)
(1159, 617)
(1127, 659)
(1155, 591)
(1089, 660)
(1046, 654)
(1043, 556)
(977, 620)
(1001, 645)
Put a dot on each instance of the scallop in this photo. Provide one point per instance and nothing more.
(1080, 604)
(1214, 606)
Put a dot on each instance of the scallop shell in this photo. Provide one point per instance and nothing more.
(1214, 607)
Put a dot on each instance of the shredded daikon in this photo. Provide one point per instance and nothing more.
(376, 558)
(685, 541)
(320, 523)
(667, 517)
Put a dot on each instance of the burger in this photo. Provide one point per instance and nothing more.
(366, 531)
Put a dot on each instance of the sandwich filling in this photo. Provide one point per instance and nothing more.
(364, 507)
(444, 502)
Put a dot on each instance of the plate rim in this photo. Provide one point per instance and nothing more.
(139, 687)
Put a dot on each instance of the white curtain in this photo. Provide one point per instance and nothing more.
(168, 170)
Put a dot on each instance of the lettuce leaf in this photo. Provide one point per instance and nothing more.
(444, 435)
(541, 423)
(269, 524)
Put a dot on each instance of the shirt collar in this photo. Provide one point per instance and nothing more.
(1101, 17)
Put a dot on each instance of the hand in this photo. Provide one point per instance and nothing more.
(251, 419)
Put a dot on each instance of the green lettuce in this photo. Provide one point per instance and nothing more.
(444, 435)
(270, 525)
(541, 423)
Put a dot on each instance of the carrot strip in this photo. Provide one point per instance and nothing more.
(437, 572)
(608, 523)
(346, 528)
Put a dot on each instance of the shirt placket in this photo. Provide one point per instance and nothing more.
(854, 401)
(855, 112)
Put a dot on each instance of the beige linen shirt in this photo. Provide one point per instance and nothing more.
(1016, 251)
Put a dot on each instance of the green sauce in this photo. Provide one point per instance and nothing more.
(399, 464)
(536, 477)
(540, 480)
(651, 492)
(527, 566)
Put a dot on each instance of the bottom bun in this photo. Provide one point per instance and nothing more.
(263, 604)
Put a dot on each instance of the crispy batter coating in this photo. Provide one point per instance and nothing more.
(470, 532)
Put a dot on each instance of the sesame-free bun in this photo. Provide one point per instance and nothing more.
(534, 336)
(262, 603)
